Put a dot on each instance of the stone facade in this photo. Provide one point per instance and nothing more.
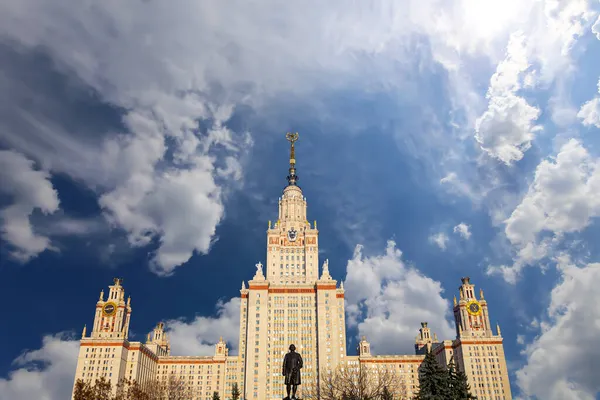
(290, 302)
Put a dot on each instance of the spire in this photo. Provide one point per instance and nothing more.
(292, 177)
(499, 333)
(342, 285)
(101, 296)
(455, 300)
(83, 333)
(243, 286)
(128, 301)
(481, 294)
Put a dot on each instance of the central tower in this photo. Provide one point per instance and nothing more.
(292, 243)
(290, 303)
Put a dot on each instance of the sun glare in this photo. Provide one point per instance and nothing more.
(489, 18)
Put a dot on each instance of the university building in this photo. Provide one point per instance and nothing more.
(289, 300)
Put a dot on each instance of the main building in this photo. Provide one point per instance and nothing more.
(289, 301)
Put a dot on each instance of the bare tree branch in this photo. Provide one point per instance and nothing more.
(361, 383)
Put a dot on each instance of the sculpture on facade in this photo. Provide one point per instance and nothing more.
(292, 364)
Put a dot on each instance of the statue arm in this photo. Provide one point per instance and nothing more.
(284, 364)
(300, 364)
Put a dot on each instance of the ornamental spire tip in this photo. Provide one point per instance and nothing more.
(292, 178)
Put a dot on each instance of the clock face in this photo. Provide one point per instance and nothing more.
(292, 234)
(109, 309)
(474, 308)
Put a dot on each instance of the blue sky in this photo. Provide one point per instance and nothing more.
(438, 139)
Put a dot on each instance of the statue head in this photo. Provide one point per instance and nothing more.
(292, 347)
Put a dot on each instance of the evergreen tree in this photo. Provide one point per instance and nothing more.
(459, 387)
(386, 394)
(433, 380)
(216, 396)
(235, 392)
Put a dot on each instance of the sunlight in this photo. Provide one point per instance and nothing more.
(488, 18)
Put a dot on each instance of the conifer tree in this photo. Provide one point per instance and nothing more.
(235, 392)
(433, 380)
(459, 387)
(216, 396)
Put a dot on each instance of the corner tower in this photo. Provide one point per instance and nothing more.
(471, 314)
(477, 350)
(112, 314)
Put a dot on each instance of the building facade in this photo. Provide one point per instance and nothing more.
(292, 300)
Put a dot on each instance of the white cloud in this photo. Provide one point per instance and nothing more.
(561, 360)
(590, 111)
(462, 229)
(506, 129)
(223, 59)
(199, 336)
(563, 198)
(440, 239)
(387, 300)
(558, 28)
(44, 374)
(458, 186)
(30, 190)
(596, 28)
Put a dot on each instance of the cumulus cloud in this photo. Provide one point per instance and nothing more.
(29, 189)
(589, 113)
(440, 239)
(180, 205)
(44, 374)
(199, 336)
(506, 129)
(387, 300)
(222, 60)
(563, 198)
(463, 230)
(562, 361)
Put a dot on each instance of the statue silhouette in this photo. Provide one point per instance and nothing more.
(292, 364)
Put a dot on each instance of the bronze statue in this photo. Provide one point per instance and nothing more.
(292, 364)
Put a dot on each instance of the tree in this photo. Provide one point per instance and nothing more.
(235, 392)
(361, 383)
(434, 383)
(128, 390)
(82, 391)
(172, 388)
(216, 396)
(386, 394)
(100, 390)
(459, 387)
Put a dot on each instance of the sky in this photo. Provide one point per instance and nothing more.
(438, 139)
